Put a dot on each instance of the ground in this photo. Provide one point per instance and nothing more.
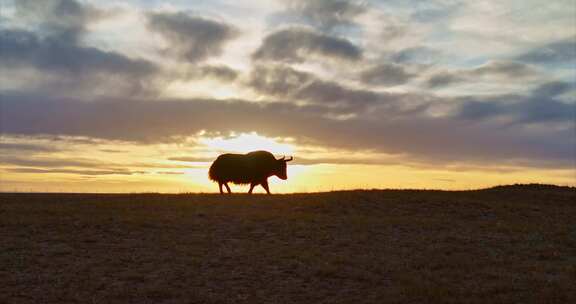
(513, 244)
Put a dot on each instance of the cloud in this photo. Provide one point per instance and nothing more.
(277, 79)
(66, 68)
(443, 79)
(325, 15)
(63, 20)
(74, 171)
(386, 74)
(382, 130)
(554, 89)
(392, 30)
(435, 11)
(539, 106)
(507, 69)
(47, 53)
(417, 54)
(47, 162)
(23, 48)
(170, 172)
(330, 97)
(494, 70)
(30, 148)
(302, 160)
(40, 162)
(297, 44)
(192, 38)
(219, 72)
(557, 52)
(333, 93)
(131, 120)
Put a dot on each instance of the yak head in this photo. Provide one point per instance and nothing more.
(281, 169)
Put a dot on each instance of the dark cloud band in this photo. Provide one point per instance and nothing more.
(432, 138)
(192, 38)
(298, 44)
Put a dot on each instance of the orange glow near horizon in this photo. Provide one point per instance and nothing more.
(178, 168)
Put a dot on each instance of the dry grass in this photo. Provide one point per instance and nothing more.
(504, 245)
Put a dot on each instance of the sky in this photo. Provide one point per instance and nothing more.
(141, 96)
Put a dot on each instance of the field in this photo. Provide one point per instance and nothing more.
(511, 244)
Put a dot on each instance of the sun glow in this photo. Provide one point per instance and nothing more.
(183, 167)
(246, 142)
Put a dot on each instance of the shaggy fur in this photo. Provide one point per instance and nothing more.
(252, 168)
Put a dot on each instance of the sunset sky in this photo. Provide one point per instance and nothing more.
(141, 96)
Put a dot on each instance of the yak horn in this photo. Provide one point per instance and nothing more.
(291, 158)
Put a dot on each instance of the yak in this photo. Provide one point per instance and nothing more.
(252, 168)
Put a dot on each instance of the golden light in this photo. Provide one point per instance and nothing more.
(246, 142)
(183, 167)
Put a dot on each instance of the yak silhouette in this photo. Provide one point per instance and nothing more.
(252, 168)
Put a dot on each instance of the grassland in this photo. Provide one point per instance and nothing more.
(514, 244)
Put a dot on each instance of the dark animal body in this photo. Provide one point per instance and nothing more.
(252, 168)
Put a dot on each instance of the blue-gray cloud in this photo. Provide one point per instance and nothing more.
(64, 20)
(298, 44)
(284, 82)
(444, 79)
(539, 106)
(192, 38)
(497, 70)
(73, 67)
(23, 48)
(561, 52)
(420, 54)
(52, 47)
(333, 93)
(277, 79)
(386, 74)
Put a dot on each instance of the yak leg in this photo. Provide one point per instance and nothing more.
(252, 185)
(265, 186)
(220, 187)
(227, 188)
